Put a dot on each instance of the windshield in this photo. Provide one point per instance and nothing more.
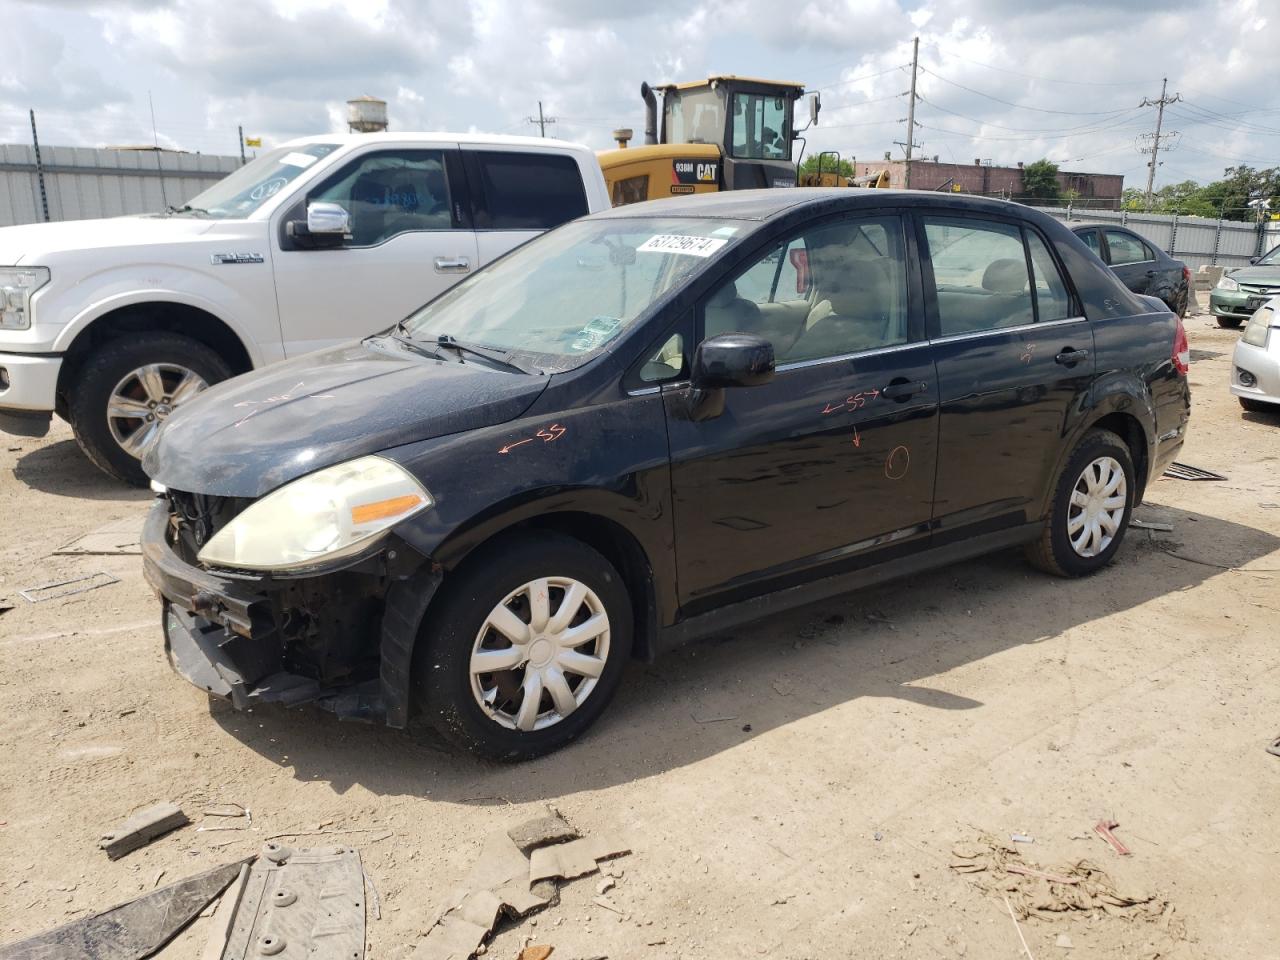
(760, 127)
(565, 295)
(1271, 258)
(693, 116)
(240, 193)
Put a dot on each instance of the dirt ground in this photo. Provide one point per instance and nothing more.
(869, 737)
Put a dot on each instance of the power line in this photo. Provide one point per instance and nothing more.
(868, 76)
(1031, 76)
(1020, 106)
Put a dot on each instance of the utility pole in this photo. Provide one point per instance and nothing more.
(1156, 137)
(241, 129)
(35, 142)
(911, 144)
(540, 120)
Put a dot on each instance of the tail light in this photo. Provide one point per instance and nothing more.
(1181, 350)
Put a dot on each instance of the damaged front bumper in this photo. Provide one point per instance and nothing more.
(342, 639)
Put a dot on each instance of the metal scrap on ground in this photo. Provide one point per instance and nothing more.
(141, 828)
(1183, 471)
(117, 538)
(129, 931)
(59, 588)
(514, 876)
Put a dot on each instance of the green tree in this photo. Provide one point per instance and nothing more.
(810, 165)
(1040, 180)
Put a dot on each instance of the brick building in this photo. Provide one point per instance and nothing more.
(1097, 189)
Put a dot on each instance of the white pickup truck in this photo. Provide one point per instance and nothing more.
(112, 323)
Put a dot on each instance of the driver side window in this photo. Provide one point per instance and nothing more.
(389, 193)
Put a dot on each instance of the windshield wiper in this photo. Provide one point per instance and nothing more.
(493, 355)
(187, 208)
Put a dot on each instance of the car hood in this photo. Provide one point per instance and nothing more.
(34, 243)
(249, 435)
(1269, 275)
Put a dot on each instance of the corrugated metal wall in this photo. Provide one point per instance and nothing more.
(1196, 241)
(85, 183)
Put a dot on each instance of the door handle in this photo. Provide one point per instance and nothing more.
(452, 264)
(1069, 357)
(1151, 273)
(904, 389)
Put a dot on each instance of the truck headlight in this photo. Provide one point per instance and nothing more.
(330, 514)
(1226, 283)
(17, 284)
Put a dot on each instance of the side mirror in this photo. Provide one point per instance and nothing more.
(729, 360)
(815, 105)
(327, 218)
(1253, 260)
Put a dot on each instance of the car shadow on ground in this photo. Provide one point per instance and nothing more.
(1269, 417)
(712, 696)
(62, 469)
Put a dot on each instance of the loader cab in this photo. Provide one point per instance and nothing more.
(750, 121)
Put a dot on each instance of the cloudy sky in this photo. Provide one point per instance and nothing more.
(1000, 79)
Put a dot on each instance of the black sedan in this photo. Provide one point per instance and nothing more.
(1140, 264)
(648, 425)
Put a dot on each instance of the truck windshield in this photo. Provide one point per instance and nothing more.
(693, 116)
(242, 192)
(760, 127)
(563, 297)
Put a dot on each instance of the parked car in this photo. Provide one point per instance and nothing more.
(1241, 292)
(114, 323)
(1255, 365)
(645, 426)
(1141, 265)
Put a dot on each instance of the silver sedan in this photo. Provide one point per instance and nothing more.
(1255, 368)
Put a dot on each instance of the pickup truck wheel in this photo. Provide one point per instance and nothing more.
(1091, 508)
(525, 648)
(126, 390)
(1229, 323)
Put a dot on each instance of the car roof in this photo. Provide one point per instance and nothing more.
(346, 139)
(764, 204)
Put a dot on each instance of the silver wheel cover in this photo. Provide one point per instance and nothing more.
(143, 399)
(540, 653)
(1098, 502)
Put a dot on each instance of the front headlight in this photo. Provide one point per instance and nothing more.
(17, 284)
(327, 515)
(1257, 329)
(1226, 283)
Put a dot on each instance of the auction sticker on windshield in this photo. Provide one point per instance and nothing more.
(674, 243)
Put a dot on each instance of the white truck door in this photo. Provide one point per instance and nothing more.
(410, 241)
(518, 192)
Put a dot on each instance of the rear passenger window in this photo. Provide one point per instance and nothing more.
(1126, 248)
(1090, 238)
(980, 272)
(833, 290)
(528, 191)
(1053, 302)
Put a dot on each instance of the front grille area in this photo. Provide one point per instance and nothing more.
(194, 518)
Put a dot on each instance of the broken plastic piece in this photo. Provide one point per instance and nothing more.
(51, 591)
(132, 930)
(141, 828)
(1105, 827)
(1183, 471)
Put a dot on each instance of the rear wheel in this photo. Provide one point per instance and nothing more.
(127, 388)
(1091, 508)
(1229, 323)
(526, 648)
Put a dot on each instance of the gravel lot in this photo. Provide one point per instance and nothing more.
(870, 736)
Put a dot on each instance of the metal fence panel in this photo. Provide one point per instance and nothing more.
(87, 183)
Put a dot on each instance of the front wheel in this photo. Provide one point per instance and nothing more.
(1229, 323)
(124, 392)
(525, 648)
(1091, 508)
(1258, 406)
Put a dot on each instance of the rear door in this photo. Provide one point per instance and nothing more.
(410, 241)
(831, 464)
(1014, 356)
(1130, 258)
(517, 194)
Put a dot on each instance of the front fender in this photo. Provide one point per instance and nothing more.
(248, 309)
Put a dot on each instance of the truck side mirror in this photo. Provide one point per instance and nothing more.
(815, 105)
(327, 225)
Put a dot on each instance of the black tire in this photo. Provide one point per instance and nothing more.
(1258, 406)
(443, 691)
(1229, 323)
(95, 380)
(1181, 303)
(1053, 551)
